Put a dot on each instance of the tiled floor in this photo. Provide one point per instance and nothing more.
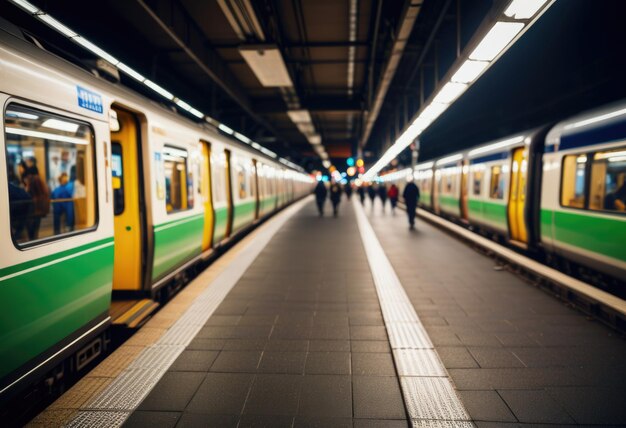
(299, 341)
(516, 355)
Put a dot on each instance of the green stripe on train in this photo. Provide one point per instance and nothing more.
(490, 213)
(221, 221)
(244, 215)
(449, 203)
(602, 235)
(176, 244)
(58, 299)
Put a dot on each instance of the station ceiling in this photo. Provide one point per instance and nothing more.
(361, 68)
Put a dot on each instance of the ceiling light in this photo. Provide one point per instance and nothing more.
(159, 90)
(326, 164)
(306, 128)
(299, 116)
(225, 129)
(26, 6)
(242, 138)
(314, 139)
(449, 159)
(95, 50)
(267, 64)
(523, 9)
(268, 152)
(132, 73)
(433, 111)
(469, 71)
(450, 92)
(596, 119)
(496, 40)
(46, 136)
(60, 125)
(57, 26)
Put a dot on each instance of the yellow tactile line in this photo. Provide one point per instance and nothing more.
(66, 407)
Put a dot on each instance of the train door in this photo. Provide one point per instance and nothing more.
(463, 198)
(257, 189)
(229, 194)
(127, 187)
(207, 197)
(517, 196)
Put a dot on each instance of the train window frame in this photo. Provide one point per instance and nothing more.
(122, 181)
(59, 114)
(589, 171)
(585, 206)
(187, 162)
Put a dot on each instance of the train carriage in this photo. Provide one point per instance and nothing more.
(108, 198)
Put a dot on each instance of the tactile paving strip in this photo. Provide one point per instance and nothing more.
(113, 405)
(418, 362)
(432, 398)
(427, 390)
(104, 419)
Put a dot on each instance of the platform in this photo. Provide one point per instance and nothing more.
(308, 328)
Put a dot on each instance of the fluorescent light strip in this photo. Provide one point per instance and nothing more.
(469, 71)
(76, 38)
(496, 40)
(449, 159)
(499, 145)
(596, 119)
(524, 9)
(450, 92)
(426, 165)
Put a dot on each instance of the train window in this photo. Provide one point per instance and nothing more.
(117, 169)
(608, 181)
(573, 181)
(218, 175)
(496, 185)
(178, 183)
(477, 182)
(51, 174)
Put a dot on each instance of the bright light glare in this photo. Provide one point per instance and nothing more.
(449, 159)
(433, 111)
(617, 159)
(159, 90)
(499, 145)
(46, 136)
(450, 92)
(523, 9)
(426, 165)
(225, 129)
(60, 125)
(26, 6)
(326, 164)
(496, 40)
(596, 119)
(469, 71)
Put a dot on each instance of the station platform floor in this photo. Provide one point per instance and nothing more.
(355, 321)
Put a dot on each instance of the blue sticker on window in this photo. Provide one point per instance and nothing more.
(89, 100)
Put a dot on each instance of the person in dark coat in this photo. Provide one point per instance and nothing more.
(411, 196)
(320, 196)
(393, 194)
(335, 197)
(361, 191)
(349, 191)
(382, 193)
(38, 191)
(371, 191)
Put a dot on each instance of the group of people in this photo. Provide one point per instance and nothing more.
(411, 195)
(30, 201)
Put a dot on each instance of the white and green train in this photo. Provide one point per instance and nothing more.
(558, 193)
(107, 198)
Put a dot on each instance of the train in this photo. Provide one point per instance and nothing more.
(556, 193)
(108, 198)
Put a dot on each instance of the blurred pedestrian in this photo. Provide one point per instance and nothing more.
(38, 191)
(320, 196)
(335, 197)
(393, 193)
(382, 193)
(411, 196)
(349, 190)
(361, 191)
(371, 192)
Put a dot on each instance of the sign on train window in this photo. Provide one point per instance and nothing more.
(573, 181)
(178, 182)
(51, 174)
(608, 181)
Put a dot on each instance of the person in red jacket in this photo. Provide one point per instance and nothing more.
(393, 193)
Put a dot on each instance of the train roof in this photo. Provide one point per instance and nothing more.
(604, 124)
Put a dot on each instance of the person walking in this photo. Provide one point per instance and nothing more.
(349, 190)
(382, 193)
(393, 193)
(335, 197)
(320, 197)
(371, 192)
(361, 191)
(38, 191)
(411, 196)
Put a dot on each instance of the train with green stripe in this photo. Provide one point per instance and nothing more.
(557, 193)
(109, 201)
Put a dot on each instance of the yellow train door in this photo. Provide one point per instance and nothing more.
(207, 197)
(463, 198)
(125, 158)
(229, 195)
(517, 196)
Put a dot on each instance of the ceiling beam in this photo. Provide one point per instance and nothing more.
(175, 21)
